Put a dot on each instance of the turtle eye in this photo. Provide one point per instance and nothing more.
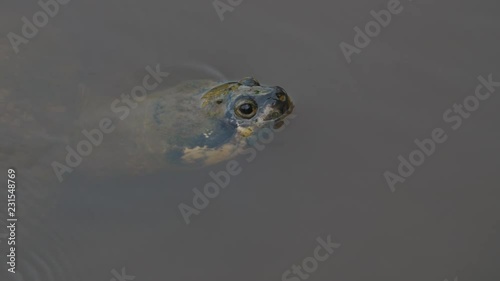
(246, 109)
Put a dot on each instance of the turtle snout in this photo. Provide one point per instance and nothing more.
(283, 101)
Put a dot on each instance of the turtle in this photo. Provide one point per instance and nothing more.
(191, 125)
(194, 124)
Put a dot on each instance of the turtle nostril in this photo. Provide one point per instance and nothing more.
(281, 97)
(281, 94)
(283, 101)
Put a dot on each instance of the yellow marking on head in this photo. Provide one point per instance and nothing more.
(245, 132)
(218, 91)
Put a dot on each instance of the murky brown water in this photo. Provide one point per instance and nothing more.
(322, 175)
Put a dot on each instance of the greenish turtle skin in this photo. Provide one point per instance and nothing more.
(203, 122)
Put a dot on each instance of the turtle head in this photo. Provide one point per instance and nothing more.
(248, 105)
(231, 113)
